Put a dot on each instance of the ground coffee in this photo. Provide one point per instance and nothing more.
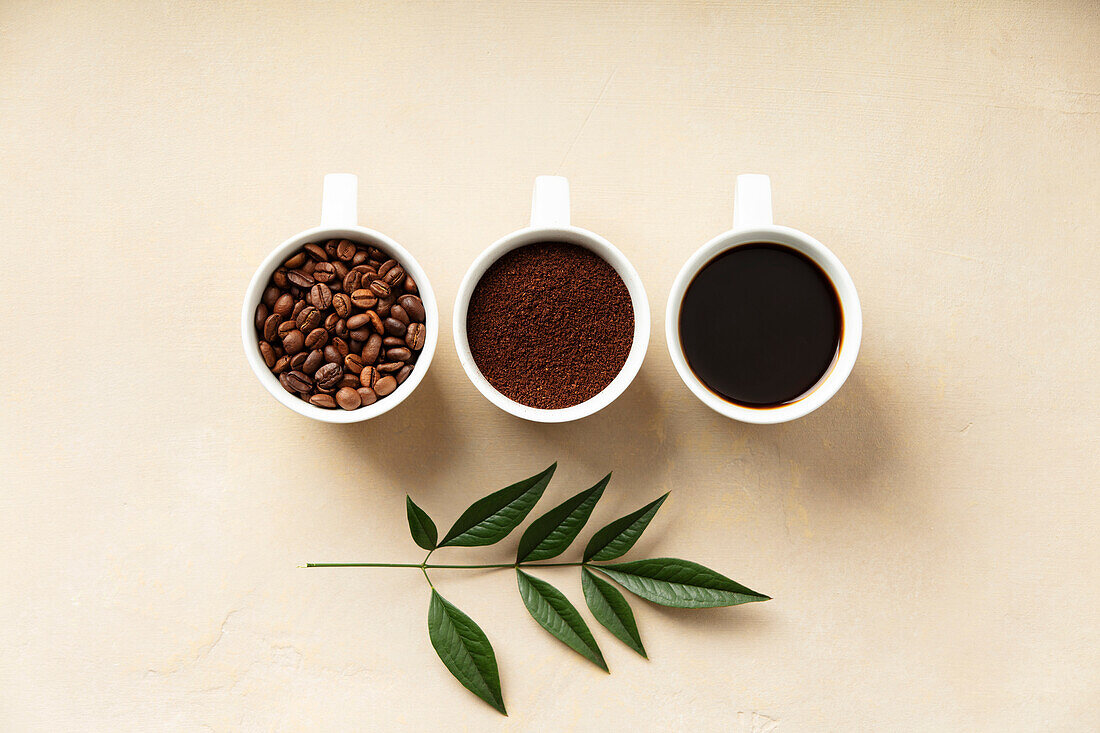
(550, 325)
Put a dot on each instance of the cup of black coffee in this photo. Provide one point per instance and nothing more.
(763, 322)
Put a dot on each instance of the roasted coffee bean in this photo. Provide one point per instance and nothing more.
(315, 252)
(341, 304)
(309, 319)
(394, 327)
(293, 342)
(341, 272)
(320, 296)
(368, 376)
(361, 335)
(372, 349)
(283, 306)
(323, 400)
(340, 328)
(386, 267)
(380, 288)
(403, 374)
(360, 320)
(414, 306)
(399, 354)
(314, 361)
(286, 385)
(267, 353)
(345, 250)
(415, 336)
(393, 341)
(324, 272)
(261, 316)
(353, 281)
(353, 363)
(330, 248)
(298, 361)
(284, 328)
(278, 278)
(359, 258)
(364, 298)
(330, 321)
(299, 278)
(385, 305)
(367, 395)
(332, 356)
(296, 261)
(348, 398)
(341, 346)
(395, 276)
(328, 376)
(390, 366)
(376, 323)
(410, 285)
(316, 338)
(281, 365)
(299, 306)
(348, 380)
(308, 267)
(398, 311)
(271, 294)
(377, 254)
(299, 381)
(384, 386)
(271, 327)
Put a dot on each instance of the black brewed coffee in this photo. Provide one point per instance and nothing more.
(760, 325)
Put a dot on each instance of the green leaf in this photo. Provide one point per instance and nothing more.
(557, 615)
(552, 533)
(420, 525)
(610, 608)
(679, 583)
(616, 538)
(465, 649)
(490, 519)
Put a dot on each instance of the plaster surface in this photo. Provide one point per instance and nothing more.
(929, 537)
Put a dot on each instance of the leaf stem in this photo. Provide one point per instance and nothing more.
(438, 566)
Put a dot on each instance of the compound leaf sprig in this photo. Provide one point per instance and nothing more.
(462, 645)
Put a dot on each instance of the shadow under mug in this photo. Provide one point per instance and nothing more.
(752, 223)
(338, 221)
(550, 223)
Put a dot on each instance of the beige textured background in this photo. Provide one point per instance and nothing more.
(930, 537)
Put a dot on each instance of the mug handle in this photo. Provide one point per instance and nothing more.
(550, 202)
(752, 201)
(339, 202)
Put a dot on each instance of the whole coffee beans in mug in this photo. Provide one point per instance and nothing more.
(324, 320)
(549, 325)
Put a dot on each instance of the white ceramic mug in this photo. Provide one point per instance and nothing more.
(752, 222)
(339, 221)
(550, 223)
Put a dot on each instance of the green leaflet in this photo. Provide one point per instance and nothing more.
(611, 609)
(679, 583)
(616, 538)
(489, 520)
(552, 533)
(421, 525)
(465, 649)
(557, 615)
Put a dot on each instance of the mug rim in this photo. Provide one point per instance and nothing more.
(851, 335)
(258, 284)
(601, 247)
